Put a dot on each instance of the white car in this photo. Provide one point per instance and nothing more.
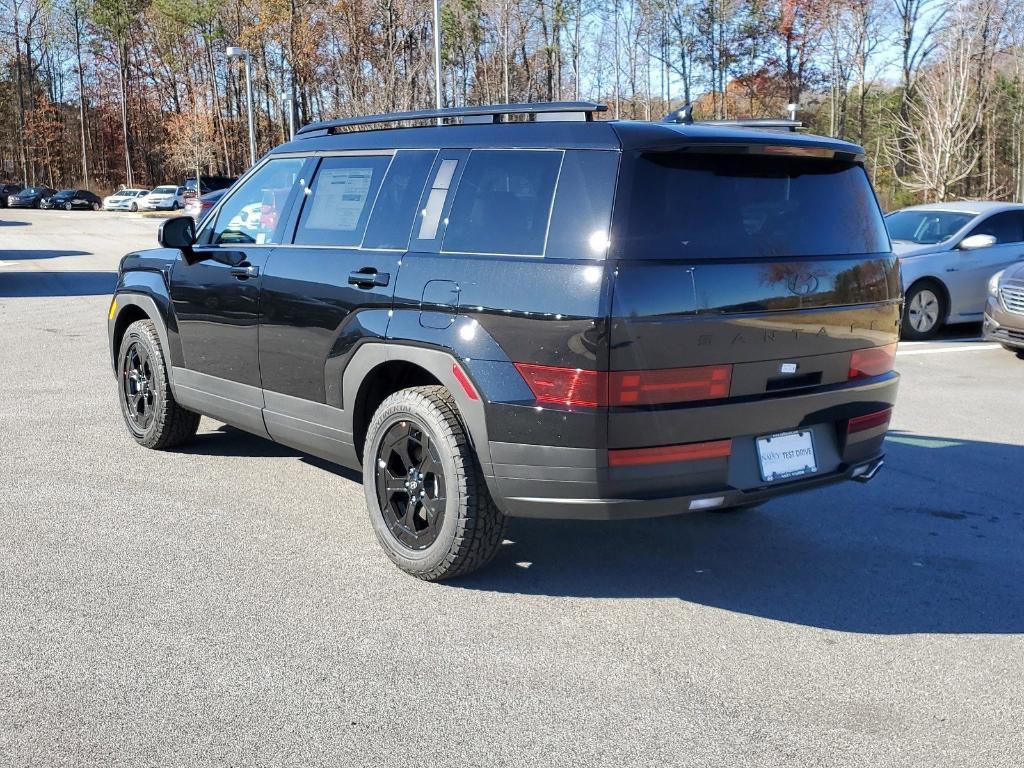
(124, 200)
(947, 253)
(164, 198)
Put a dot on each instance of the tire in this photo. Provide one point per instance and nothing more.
(67, 206)
(175, 206)
(95, 206)
(158, 421)
(461, 531)
(135, 207)
(924, 310)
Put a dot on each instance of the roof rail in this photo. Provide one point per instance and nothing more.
(684, 116)
(584, 110)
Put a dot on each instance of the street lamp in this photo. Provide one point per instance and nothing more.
(234, 52)
(437, 57)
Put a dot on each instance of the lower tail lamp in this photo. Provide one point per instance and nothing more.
(869, 421)
(872, 362)
(664, 454)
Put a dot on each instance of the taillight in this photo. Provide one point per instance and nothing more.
(872, 362)
(632, 457)
(565, 386)
(869, 421)
(673, 385)
(592, 389)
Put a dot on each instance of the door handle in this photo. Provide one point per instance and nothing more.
(369, 278)
(244, 272)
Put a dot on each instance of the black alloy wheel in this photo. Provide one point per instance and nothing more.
(410, 484)
(425, 492)
(141, 397)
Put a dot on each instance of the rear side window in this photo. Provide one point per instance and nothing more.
(1007, 227)
(338, 206)
(711, 206)
(392, 218)
(503, 203)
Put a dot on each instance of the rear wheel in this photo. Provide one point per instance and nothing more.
(923, 311)
(427, 498)
(153, 417)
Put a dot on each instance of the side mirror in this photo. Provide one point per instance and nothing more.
(974, 242)
(179, 233)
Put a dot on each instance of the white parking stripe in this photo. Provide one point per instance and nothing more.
(972, 348)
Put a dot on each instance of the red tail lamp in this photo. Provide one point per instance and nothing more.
(592, 389)
(869, 421)
(632, 457)
(872, 362)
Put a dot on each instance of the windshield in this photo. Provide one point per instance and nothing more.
(165, 190)
(718, 206)
(925, 227)
(32, 191)
(65, 193)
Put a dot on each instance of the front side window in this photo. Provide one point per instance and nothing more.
(712, 206)
(340, 200)
(925, 227)
(1007, 227)
(503, 203)
(252, 214)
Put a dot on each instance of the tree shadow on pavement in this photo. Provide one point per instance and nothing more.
(26, 284)
(934, 544)
(15, 223)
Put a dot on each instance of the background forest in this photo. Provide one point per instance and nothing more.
(100, 93)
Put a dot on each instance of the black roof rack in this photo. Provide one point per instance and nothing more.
(684, 116)
(495, 112)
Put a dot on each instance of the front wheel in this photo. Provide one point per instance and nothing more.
(135, 207)
(153, 417)
(923, 312)
(427, 498)
(67, 206)
(95, 206)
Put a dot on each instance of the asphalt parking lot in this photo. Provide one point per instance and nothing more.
(227, 604)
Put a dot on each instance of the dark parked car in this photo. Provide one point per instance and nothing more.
(552, 317)
(199, 207)
(30, 197)
(207, 184)
(6, 190)
(72, 199)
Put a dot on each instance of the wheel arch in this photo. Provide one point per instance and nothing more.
(132, 308)
(378, 370)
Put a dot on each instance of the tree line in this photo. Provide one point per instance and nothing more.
(100, 93)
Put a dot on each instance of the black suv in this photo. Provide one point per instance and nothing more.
(528, 312)
(6, 190)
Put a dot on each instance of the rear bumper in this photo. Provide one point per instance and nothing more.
(577, 483)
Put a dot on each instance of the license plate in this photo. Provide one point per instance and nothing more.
(787, 455)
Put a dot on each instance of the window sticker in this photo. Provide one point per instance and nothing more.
(340, 198)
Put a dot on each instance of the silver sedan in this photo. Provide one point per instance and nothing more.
(948, 252)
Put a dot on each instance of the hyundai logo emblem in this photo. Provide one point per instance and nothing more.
(803, 283)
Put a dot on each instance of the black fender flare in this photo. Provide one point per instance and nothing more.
(439, 364)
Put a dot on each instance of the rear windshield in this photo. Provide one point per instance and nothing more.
(721, 206)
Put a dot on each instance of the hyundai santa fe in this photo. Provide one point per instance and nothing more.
(525, 311)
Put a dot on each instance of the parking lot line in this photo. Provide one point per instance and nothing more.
(971, 348)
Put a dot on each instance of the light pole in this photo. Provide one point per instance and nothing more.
(437, 56)
(234, 52)
(289, 104)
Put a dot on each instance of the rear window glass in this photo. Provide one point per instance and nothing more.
(339, 204)
(734, 206)
(503, 203)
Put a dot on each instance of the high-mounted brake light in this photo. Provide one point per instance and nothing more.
(869, 421)
(592, 389)
(872, 362)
